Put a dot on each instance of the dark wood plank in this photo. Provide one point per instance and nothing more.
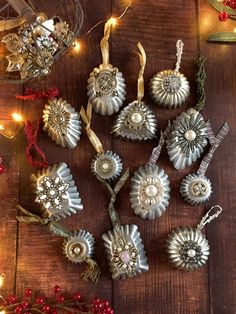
(158, 25)
(220, 107)
(40, 261)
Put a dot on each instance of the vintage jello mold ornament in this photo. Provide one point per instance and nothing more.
(106, 165)
(106, 85)
(137, 121)
(196, 188)
(150, 186)
(188, 138)
(187, 248)
(62, 123)
(124, 247)
(170, 88)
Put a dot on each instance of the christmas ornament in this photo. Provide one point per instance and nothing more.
(106, 85)
(56, 191)
(106, 165)
(188, 137)
(150, 186)
(137, 121)
(124, 248)
(187, 247)
(78, 246)
(197, 188)
(62, 123)
(170, 88)
(58, 302)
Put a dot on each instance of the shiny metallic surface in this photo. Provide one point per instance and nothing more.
(187, 248)
(196, 189)
(169, 89)
(78, 246)
(187, 139)
(136, 122)
(106, 90)
(56, 192)
(107, 165)
(125, 252)
(62, 123)
(150, 192)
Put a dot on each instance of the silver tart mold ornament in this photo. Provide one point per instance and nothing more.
(150, 186)
(187, 248)
(107, 165)
(106, 85)
(79, 246)
(56, 191)
(125, 252)
(137, 121)
(170, 88)
(62, 123)
(197, 188)
(187, 139)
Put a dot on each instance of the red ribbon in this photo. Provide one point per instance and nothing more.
(30, 94)
(32, 144)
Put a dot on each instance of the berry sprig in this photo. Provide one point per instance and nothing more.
(223, 16)
(58, 303)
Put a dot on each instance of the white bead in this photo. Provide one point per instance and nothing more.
(151, 190)
(190, 135)
(105, 166)
(136, 117)
(191, 253)
(77, 250)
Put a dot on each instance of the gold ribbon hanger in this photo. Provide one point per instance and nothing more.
(104, 44)
(6, 25)
(143, 59)
(87, 118)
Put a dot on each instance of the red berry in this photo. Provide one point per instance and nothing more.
(40, 300)
(77, 296)
(18, 309)
(25, 304)
(60, 298)
(54, 311)
(56, 289)
(46, 308)
(11, 299)
(2, 169)
(230, 3)
(28, 293)
(223, 16)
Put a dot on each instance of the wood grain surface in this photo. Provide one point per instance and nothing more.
(32, 257)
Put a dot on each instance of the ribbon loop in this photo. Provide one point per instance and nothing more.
(87, 118)
(143, 59)
(179, 52)
(104, 44)
(200, 79)
(157, 150)
(32, 144)
(215, 143)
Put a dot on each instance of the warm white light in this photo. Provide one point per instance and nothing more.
(113, 21)
(235, 30)
(2, 276)
(2, 312)
(17, 117)
(1, 127)
(77, 46)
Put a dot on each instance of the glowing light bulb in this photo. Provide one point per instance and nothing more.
(235, 30)
(2, 312)
(77, 46)
(2, 277)
(113, 21)
(17, 117)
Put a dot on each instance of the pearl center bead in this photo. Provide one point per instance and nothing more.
(125, 257)
(77, 250)
(190, 135)
(136, 117)
(191, 253)
(105, 166)
(151, 190)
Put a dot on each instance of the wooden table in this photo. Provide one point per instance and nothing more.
(32, 257)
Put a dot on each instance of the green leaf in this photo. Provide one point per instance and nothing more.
(220, 7)
(223, 37)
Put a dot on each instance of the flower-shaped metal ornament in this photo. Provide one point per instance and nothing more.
(197, 188)
(170, 88)
(79, 246)
(150, 186)
(107, 165)
(56, 191)
(188, 248)
(137, 121)
(106, 85)
(62, 123)
(125, 252)
(187, 139)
